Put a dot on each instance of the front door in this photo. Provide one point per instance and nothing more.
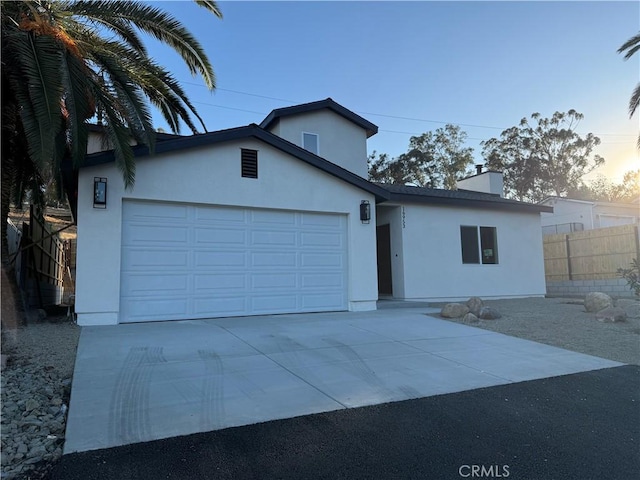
(385, 286)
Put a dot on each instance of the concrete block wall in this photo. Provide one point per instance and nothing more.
(616, 287)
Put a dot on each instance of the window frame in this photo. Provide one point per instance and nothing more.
(317, 137)
(476, 241)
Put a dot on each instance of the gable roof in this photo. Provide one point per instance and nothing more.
(167, 145)
(459, 198)
(329, 103)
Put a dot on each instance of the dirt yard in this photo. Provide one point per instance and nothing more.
(564, 323)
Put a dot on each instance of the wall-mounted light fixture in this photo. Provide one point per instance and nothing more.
(365, 211)
(99, 192)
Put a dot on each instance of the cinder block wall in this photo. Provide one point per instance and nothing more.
(616, 287)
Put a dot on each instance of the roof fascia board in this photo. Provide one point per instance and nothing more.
(466, 203)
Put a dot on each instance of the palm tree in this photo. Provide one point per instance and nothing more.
(67, 62)
(632, 46)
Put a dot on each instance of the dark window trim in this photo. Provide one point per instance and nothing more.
(479, 245)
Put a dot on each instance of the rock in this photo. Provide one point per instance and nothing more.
(22, 448)
(57, 401)
(611, 315)
(42, 314)
(30, 404)
(5, 359)
(488, 313)
(454, 310)
(37, 451)
(470, 318)
(596, 301)
(630, 306)
(475, 304)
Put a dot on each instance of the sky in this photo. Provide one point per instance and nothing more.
(412, 67)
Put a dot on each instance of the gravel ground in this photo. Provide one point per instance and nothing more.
(564, 323)
(37, 379)
(36, 384)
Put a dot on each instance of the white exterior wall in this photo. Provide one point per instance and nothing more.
(340, 141)
(211, 175)
(433, 268)
(568, 212)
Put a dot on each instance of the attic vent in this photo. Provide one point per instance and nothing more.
(249, 159)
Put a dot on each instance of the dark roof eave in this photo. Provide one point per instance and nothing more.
(468, 203)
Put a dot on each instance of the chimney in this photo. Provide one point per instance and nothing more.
(478, 168)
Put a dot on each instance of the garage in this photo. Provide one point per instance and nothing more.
(188, 261)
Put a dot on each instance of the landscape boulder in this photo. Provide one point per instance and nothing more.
(470, 318)
(596, 301)
(488, 313)
(454, 310)
(475, 304)
(630, 306)
(611, 315)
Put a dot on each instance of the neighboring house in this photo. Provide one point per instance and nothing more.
(279, 218)
(571, 215)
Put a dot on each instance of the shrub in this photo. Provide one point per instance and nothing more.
(632, 276)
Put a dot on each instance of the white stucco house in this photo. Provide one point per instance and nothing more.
(279, 218)
(570, 215)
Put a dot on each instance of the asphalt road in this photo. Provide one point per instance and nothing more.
(582, 426)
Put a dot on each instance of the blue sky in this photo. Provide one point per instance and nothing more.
(411, 67)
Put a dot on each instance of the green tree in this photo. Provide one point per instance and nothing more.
(631, 47)
(603, 189)
(546, 158)
(434, 159)
(67, 62)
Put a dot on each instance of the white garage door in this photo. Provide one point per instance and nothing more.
(189, 261)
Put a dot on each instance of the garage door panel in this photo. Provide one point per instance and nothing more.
(272, 217)
(321, 239)
(138, 211)
(145, 259)
(215, 282)
(322, 280)
(274, 281)
(275, 238)
(322, 220)
(271, 259)
(196, 261)
(223, 306)
(220, 236)
(141, 309)
(220, 259)
(224, 216)
(322, 260)
(152, 284)
(274, 303)
(322, 300)
(154, 234)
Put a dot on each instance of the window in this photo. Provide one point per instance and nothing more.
(477, 247)
(249, 161)
(310, 142)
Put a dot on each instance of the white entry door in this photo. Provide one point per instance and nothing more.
(183, 261)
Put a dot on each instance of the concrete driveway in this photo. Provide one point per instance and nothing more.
(140, 382)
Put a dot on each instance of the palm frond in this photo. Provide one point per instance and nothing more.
(158, 24)
(632, 45)
(211, 6)
(39, 90)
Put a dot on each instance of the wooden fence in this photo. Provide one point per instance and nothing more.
(41, 262)
(590, 255)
